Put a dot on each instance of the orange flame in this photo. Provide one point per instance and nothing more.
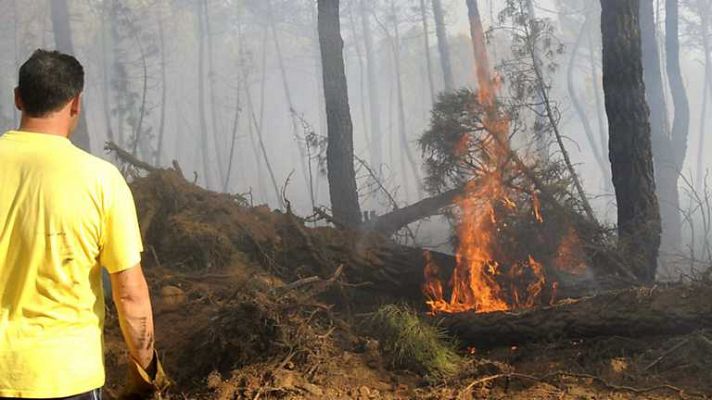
(475, 282)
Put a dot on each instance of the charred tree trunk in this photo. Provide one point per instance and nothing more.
(62, 28)
(665, 166)
(443, 46)
(340, 149)
(629, 137)
(629, 313)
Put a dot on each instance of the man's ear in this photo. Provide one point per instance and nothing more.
(76, 105)
(18, 100)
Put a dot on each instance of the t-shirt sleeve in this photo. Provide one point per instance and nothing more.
(121, 244)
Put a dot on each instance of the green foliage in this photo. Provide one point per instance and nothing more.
(411, 343)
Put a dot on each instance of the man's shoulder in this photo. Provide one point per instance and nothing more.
(97, 169)
(98, 165)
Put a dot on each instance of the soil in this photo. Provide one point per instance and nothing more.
(231, 323)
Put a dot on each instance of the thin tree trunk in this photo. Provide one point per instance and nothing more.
(261, 143)
(402, 127)
(376, 151)
(681, 118)
(62, 28)
(597, 90)
(233, 139)
(578, 107)
(106, 81)
(138, 133)
(630, 142)
(707, 86)
(542, 144)
(426, 42)
(208, 35)
(290, 104)
(703, 12)
(162, 121)
(443, 46)
(361, 79)
(340, 153)
(665, 166)
(543, 95)
(318, 80)
(204, 135)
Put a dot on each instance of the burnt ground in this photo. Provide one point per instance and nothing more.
(231, 323)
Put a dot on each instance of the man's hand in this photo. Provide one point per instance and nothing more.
(130, 293)
(144, 383)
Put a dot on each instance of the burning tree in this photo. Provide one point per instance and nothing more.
(477, 150)
(520, 228)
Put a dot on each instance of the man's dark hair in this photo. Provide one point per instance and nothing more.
(48, 80)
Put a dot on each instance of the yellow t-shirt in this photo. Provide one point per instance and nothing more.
(63, 214)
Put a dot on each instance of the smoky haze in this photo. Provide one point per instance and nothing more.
(232, 90)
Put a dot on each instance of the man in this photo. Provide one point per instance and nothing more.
(63, 215)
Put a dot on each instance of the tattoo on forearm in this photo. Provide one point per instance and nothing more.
(144, 339)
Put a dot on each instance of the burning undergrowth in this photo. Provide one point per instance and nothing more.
(518, 231)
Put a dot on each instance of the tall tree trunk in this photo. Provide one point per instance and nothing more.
(361, 79)
(706, 48)
(443, 46)
(162, 121)
(202, 118)
(542, 144)
(579, 108)
(546, 108)
(106, 70)
(665, 168)
(402, 124)
(290, 104)
(340, 149)
(208, 36)
(681, 118)
(426, 42)
(233, 135)
(703, 11)
(61, 25)
(629, 136)
(597, 90)
(376, 151)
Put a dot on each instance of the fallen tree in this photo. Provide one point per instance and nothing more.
(632, 312)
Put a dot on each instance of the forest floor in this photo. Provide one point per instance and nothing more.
(236, 320)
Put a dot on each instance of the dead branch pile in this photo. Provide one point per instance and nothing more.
(194, 229)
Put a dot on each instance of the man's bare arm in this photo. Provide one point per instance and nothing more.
(130, 293)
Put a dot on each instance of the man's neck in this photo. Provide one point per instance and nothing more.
(49, 126)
